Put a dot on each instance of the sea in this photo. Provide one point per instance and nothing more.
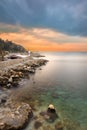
(61, 82)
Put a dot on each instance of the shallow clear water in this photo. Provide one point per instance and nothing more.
(62, 82)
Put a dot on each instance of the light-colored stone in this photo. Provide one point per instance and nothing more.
(51, 106)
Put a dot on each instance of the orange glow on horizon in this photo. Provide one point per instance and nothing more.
(60, 48)
(46, 40)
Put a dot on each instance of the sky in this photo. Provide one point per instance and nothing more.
(45, 25)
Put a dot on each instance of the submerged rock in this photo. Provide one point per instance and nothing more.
(55, 95)
(50, 115)
(59, 126)
(37, 124)
(48, 127)
(71, 125)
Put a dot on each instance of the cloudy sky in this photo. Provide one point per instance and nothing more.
(50, 25)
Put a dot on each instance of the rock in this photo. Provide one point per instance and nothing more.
(3, 98)
(35, 117)
(43, 113)
(47, 117)
(12, 72)
(10, 79)
(31, 70)
(48, 127)
(1, 125)
(37, 124)
(20, 74)
(3, 80)
(15, 83)
(15, 77)
(24, 66)
(24, 70)
(59, 126)
(15, 118)
(51, 108)
(55, 95)
(9, 85)
(50, 115)
(35, 65)
(42, 62)
(71, 125)
(11, 76)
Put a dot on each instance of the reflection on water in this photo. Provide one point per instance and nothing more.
(62, 82)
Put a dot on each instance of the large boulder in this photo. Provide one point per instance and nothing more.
(15, 117)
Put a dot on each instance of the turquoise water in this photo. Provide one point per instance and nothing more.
(62, 82)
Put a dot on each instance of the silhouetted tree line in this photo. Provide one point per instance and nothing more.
(10, 46)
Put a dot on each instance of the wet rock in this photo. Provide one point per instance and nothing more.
(37, 124)
(3, 98)
(55, 95)
(31, 70)
(9, 85)
(15, 83)
(12, 72)
(10, 79)
(20, 74)
(48, 127)
(35, 117)
(43, 113)
(50, 115)
(16, 117)
(59, 126)
(51, 109)
(15, 77)
(71, 125)
(42, 62)
(18, 69)
(3, 80)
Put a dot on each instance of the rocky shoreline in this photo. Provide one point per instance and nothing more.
(11, 75)
(15, 115)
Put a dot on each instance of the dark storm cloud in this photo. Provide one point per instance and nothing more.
(66, 16)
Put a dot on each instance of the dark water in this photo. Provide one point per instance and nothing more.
(62, 82)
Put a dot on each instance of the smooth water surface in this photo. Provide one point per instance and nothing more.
(62, 82)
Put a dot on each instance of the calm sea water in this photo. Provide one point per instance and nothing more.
(62, 82)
